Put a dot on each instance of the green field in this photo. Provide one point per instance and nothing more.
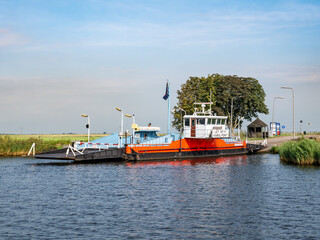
(17, 145)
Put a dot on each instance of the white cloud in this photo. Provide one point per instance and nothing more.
(9, 38)
(287, 73)
(215, 28)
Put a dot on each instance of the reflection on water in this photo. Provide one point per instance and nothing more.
(230, 160)
(240, 197)
(55, 163)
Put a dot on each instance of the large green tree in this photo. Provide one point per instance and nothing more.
(245, 94)
(194, 90)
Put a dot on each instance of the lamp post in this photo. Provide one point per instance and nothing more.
(273, 106)
(273, 125)
(121, 128)
(88, 125)
(231, 116)
(133, 123)
(292, 107)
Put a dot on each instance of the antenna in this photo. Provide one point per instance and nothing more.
(203, 105)
(210, 102)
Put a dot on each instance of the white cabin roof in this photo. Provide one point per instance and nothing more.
(148, 129)
(205, 116)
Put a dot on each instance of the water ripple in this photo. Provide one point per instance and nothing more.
(246, 197)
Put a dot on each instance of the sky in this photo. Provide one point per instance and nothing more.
(60, 59)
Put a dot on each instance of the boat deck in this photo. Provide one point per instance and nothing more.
(88, 155)
(56, 154)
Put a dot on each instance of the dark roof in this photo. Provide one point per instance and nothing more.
(257, 123)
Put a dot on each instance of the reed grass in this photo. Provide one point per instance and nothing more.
(302, 152)
(274, 149)
(17, 145)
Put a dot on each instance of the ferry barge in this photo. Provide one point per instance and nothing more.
(204, 135)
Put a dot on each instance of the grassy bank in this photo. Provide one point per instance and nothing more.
(300, 152)
(17, 145)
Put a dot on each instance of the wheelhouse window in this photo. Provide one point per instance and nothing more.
(218, 121)
(211, 121)
(201, 121)
(187, 122)
(223, 121)
(137, 135)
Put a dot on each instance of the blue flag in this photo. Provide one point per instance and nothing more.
(166, 96)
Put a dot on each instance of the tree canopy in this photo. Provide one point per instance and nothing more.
(244, 93)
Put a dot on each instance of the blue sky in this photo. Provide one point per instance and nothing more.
(59, 59)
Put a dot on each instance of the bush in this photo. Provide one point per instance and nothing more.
(304, 151)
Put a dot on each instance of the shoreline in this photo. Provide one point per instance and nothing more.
(19, 145)
(60, 140)
(277, 141)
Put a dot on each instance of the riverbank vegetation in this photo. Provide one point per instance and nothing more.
(17, 145)
(301, 152)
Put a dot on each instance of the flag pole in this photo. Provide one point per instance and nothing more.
(167, 97)
(169, 108)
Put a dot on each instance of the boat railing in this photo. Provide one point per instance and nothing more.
(33, 149)
(150, 145)
(83, 145)
(72, 150)
(264, 143)
(159, 141)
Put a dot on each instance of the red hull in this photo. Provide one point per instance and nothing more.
(187, 145)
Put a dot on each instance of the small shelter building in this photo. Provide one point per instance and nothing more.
(258, 129)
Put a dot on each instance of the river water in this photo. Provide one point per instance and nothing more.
(243, 197)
